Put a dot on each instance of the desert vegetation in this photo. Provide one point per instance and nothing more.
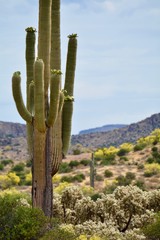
(123, 205)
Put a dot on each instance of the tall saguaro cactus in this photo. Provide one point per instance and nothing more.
(48, 110)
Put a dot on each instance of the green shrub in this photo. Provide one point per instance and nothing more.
(61, 232)
(99, 177)
(68, 179)
(152, 231)
(124, 158)
(141, 184)
(76, 151)
(85, 162)
(73, 164)
(140, 166)
(6, 162)
(154, 149)
(18, 167)
(79, 177)
(130, 175)
(18, 220)
(122, 152)
(123, 181)
(139, 147)
(95, 196)
(1, 167)
(76, 178)
(150, 160)
(29, 163)
(64, 168)
(108, 160)
(108, 173)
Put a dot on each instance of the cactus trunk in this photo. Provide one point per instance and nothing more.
(45, 107)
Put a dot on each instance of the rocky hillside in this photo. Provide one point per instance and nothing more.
(9, 129)
(118, 136)
(13, 137)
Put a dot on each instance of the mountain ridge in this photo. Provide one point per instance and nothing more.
(105, 128)
(116, 137)
(130, 133)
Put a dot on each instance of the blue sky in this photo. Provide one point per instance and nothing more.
(118, 65)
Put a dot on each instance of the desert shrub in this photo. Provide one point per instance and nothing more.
(68, 179)
(76, 178)
(108, 173)
(61, 232)
(140, 183)
(154, 149)
(61, 187)
(152, 230)
(130, 175)
(6, 181)
(151, 169)
(127, 146)
(87, 190)
(29, 163)
(108, 160)
(139, 147)
(140, 166)
(18, 220)
(85, 162)
(73, 164)
(124, 158)
(123, 181)
(15, 180)
(79, 177)
(99, 177)
(28, 179)
(76, 151)
(56, 178)
(18, 167)
(64, 168)
(110, 186)
(1, 167)
(95, 196)
(122, 152)
(5, 162)
(150, 160)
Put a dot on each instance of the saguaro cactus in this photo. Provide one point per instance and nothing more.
(48, 109)
(92, 171)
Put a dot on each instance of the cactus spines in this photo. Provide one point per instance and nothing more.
(46, 102)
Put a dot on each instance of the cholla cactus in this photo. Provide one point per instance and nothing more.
(48, 111)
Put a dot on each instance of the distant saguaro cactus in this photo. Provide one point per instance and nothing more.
(48, 110)
(92, 171)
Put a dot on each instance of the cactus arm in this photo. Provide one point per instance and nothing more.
(30, 58)
(69, 87)
(44, 40)
(16, 89)
(55, 36)
(39, 101)
(66, 125)
(71, 64)
(54, 97)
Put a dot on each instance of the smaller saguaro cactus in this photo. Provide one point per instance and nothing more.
(92, 171)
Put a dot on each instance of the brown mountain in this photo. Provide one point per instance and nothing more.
(116, 137)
